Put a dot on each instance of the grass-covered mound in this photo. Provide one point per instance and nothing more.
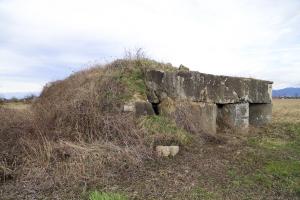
(88, 106)
(80, 137)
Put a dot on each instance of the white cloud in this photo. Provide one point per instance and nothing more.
(16, 86)
(257, 38)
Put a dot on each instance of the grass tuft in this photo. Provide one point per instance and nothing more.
(134, 80)
(164, 130)
(106, 196)
(200, 193)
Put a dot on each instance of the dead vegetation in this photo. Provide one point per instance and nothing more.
(75, 139)
(14, 128)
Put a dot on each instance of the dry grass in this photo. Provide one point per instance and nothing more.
(14, 126)
(79, 137)
(16, 105)
(263, 164)
(286, 110)
(75, 139)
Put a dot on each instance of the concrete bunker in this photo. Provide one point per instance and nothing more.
(212, 101)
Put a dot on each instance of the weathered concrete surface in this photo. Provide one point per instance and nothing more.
(200, 87)
(140, 108)
(129, 108)
(235, 116)
(199, 116)
(205, 116)
(194, 96)
(165, 151)
(260, 114)
(143, 108)
(162, 151)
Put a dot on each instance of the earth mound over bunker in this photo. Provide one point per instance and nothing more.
(102, 125)
(140, 95)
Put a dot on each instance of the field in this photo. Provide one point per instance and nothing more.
(16, 105)
(261, 164)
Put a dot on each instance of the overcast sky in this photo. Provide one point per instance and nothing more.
(46, 40)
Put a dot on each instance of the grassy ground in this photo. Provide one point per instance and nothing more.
(16, 105)
(261, 164)
(286, 110)
(267, 165)
(95, 195)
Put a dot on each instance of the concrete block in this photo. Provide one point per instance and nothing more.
(260, 114)
(174, 150)
(202, 116)
(129, 108)
(233, 116)
(259, 91)
(200, 87)
(143, 108)
(139, 108)
(162, 151)
(165, 151)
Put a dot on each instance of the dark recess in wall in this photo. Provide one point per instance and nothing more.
(155, 108)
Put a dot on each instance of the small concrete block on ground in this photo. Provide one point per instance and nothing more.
(165, 151)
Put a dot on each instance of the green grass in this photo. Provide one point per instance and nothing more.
(152, 64)
(200, 193)
(276, 160)
(132, 76)
(165, 129)
(106, 196)
(134, 81)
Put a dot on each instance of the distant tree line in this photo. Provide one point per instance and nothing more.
(286, 97)
(26, 99)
